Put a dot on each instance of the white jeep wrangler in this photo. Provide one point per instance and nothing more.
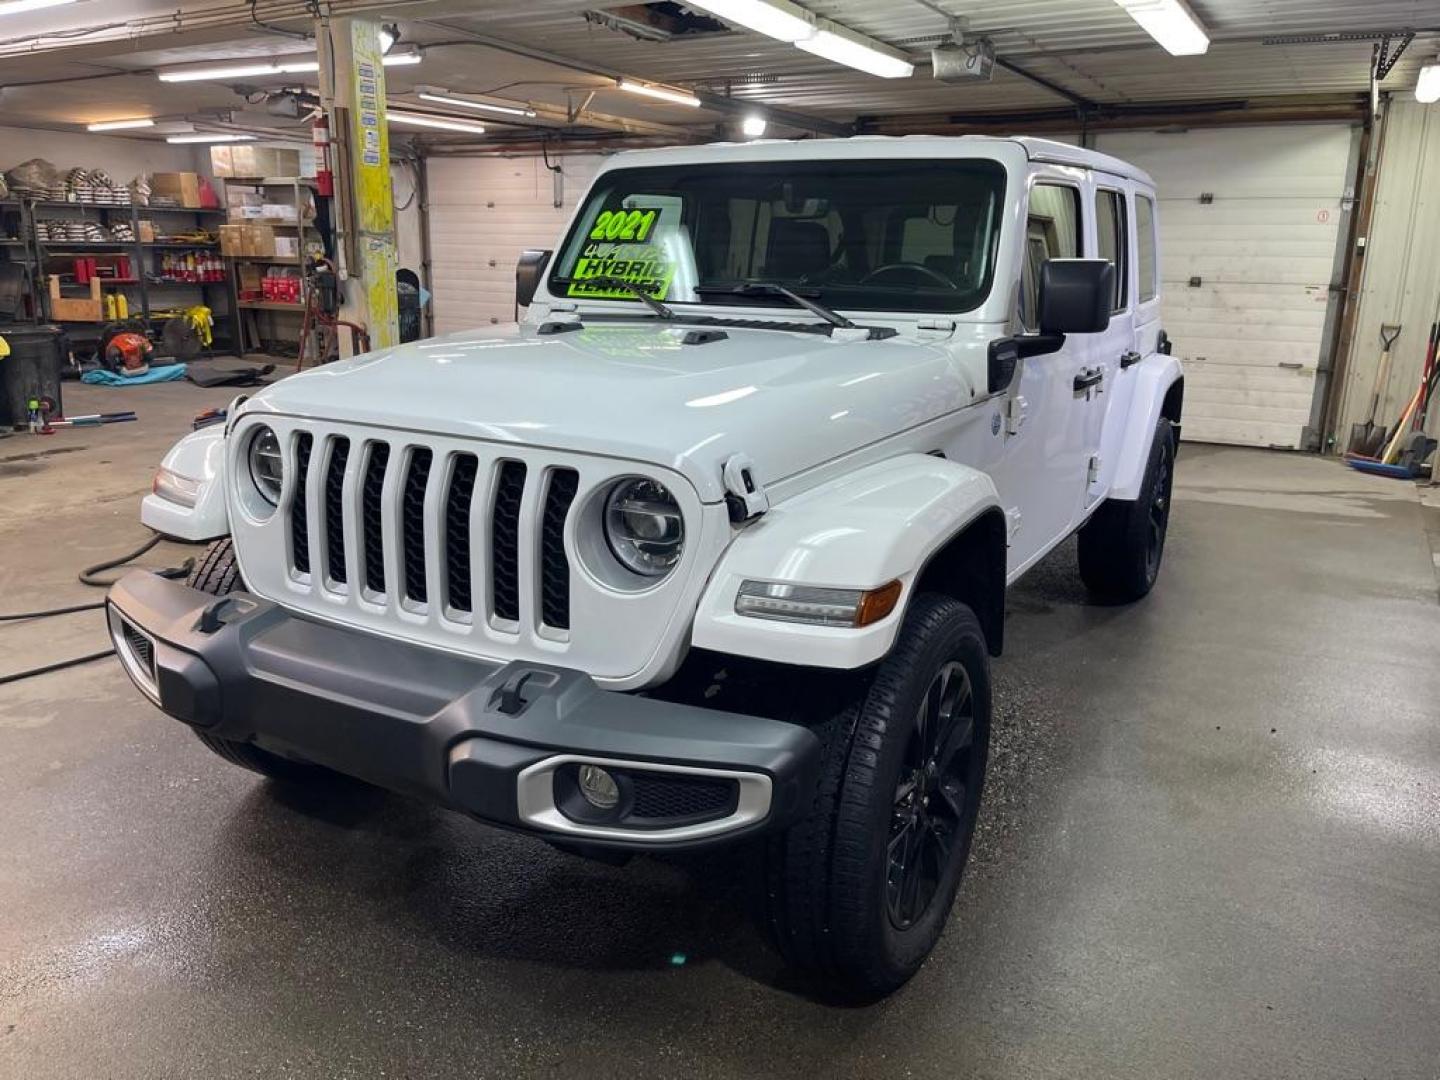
(712, 547)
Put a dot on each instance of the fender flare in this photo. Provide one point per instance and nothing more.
(199, 457)
(881, 523)
(1153, 380)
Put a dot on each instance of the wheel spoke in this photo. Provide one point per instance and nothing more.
(961, 737)
(952, 795)
(910, 882)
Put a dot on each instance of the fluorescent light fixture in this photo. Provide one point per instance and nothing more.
(15, 7)
(400, 59)
(1427, 90)
(845, 46)
(207, 137)
(507, 110)
(1170, 23)
(119, 125)
(753, 126)
(223, 71)
(664, 93)
(778, 19)
(440, 123)
(298, 66)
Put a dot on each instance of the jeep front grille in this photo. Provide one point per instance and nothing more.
(445, 499)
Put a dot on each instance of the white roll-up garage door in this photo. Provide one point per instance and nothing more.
(1249, 227)
(483, 213)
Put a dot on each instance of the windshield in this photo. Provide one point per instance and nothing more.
(869, 235)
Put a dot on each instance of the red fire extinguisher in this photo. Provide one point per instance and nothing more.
(320, 137)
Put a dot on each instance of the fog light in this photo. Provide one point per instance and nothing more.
(598, 787)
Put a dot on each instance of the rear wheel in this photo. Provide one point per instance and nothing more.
(859, 891)
(1123, 542)
(219, 574)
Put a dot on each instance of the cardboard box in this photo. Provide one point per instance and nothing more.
(67, 310)
(278, 212)
(232, 240)
(147, 232)
(248, 277)
(183, 188)
(242, 195)
(259, 241)
(287, 247)
(247, 213)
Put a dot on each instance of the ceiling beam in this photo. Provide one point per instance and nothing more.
(714, 102)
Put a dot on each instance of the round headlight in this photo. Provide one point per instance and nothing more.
(644, 527)
(267, 466)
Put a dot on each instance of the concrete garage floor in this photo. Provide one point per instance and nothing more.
(1210, 845)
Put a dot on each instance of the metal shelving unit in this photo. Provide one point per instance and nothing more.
(38, 253)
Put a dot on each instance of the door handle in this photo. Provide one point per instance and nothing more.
(1128, 358)
(1088, 378)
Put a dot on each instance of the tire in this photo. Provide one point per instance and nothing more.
(218, 573)
(835, 900)
(1123, 542)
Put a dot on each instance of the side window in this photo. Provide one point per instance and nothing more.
(1110, 233)
(1052, 231)
(1145, 248)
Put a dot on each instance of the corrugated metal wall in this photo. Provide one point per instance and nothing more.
(1401, 276)
(483, 213)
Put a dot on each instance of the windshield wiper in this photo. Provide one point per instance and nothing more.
(644, 297)
(769, 288)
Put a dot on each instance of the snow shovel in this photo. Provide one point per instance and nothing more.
(1366, 440)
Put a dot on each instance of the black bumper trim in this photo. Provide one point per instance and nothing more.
(428, 723)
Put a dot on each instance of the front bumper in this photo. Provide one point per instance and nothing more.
(502, 742)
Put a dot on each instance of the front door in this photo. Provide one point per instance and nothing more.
(1043, 473)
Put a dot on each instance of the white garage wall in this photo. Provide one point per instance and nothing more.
(483, 213)
(1252, 332)
(1401, 276)
(122, 158)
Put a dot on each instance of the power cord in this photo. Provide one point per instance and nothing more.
(88, 577)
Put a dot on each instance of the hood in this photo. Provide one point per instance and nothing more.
(787, 399)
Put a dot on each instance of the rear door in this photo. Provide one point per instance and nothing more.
(1106, 402)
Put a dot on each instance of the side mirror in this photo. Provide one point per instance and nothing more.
(1075, 295)
(529, 272)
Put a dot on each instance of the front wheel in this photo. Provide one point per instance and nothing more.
(1122, 543)
(859, 891)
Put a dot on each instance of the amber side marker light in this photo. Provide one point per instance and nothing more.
(815, 605)
(877, 603)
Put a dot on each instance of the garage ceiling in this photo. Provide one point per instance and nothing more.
(550, 53)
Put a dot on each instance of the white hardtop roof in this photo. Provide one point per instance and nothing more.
(880, 147)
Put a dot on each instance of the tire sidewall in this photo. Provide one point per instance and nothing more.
(961, 639)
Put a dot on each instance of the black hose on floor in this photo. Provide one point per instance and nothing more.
(87, 577)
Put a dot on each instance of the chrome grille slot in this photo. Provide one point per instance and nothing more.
(457, 532)
(371, 540)
(505, 541)
(412, 523)
(554, 565)
(334, 511)
(299, 518)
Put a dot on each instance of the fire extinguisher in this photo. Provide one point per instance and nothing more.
(320, 137)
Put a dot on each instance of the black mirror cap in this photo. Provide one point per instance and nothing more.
(529, 272)
(1075, 295)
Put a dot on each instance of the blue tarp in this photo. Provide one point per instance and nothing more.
(163, 373)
